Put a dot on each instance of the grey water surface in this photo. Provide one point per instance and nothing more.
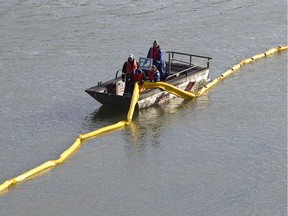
(224, 153)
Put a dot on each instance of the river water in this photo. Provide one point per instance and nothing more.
(224, 153)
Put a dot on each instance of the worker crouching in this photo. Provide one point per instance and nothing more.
(154, 74)
(136, 75)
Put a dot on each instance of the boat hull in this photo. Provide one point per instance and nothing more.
(151, 96)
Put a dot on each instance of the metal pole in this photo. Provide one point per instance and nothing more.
(169, 62)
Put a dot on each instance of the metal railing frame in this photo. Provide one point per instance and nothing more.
(172, 59)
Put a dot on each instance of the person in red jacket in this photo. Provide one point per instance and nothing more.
(130, 65)
(155, 53)
(154, 74)
(138, 75)
(135, 76)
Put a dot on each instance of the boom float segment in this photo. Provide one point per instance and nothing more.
(133, 102)
(238, 66)
(171, 89)
(67, 153)
(102, 130)
(82, 137)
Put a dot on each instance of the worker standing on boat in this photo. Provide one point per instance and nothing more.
(155, 53)
(154, 74)
(128, 67)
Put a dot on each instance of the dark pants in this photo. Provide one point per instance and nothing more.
(129, 86)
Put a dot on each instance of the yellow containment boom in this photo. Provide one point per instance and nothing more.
(169, 88)
(79, 141)
(165, 86)
(238, 66)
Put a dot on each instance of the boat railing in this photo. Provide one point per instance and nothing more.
(172, 59)
(117, 72)
(180, 73)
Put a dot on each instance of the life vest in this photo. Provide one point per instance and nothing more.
(130, 66)
(154, 76)
(151, 75)
(136, 77)
(154, 53)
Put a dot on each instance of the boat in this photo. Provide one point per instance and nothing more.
(185, 71)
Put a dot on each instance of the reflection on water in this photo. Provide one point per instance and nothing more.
(145, 131)
(147, 123)
(154, 115)
(106, 115)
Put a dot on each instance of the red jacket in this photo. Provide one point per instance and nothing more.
(137, 77)
(154, 53)
(129, 66)
(151, 75)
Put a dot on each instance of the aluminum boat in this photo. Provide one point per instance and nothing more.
(185, 71)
